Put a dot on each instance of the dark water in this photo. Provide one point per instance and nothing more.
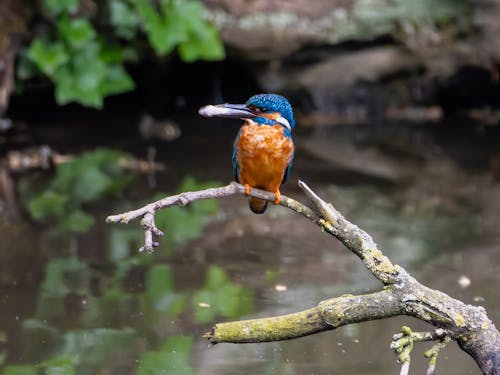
(89, 304)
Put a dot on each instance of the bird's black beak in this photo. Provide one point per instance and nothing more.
(227, 110)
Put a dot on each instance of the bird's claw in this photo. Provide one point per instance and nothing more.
(247, 189)
(278, 197)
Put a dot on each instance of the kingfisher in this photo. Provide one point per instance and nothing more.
(263, 149)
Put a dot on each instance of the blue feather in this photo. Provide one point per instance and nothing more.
(273, 103)
(236, 167)
(287, 171)
(267, 103)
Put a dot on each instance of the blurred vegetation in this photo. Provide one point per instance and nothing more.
(221, 297)
(84, 53)
(104, 338)
(172, 357)
(108, 326)
(59, 201)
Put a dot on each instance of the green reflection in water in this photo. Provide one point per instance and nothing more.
(90, 177)
(186, 223)
(220, 296)
(172, 357)
(116, 317)
(20, 370)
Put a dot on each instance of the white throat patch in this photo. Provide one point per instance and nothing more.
(283, 121)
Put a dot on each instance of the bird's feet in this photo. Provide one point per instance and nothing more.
(278, 197)
(247, 189)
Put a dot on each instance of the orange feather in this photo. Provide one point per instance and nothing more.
(264, 153)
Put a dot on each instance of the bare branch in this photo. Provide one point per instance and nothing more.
(148, 212)
(403, 343)
(433, 353)
(402, 294)
(328, 315)
(355, 239)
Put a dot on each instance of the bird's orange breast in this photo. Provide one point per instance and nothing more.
(264, 153)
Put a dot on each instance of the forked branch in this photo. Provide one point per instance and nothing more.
(401, 293)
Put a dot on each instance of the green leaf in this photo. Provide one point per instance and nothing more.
(78, 221)
(216, 278)
(90, 177)
(63, 365)
(20, 370)
(116, 81)
(171, 359)
(160, 290)
(159, 281)
(186, 223)
(165, 27)
(221, 297)
(65, 275)
(111, 53)
(205, 46)
(203, 302)
(93, 347)
(81, 80)
(47, 56)
(90, 183)
(39, 339)
(122, 242)
(76, 32)
(49, 203)
(55, 7)
(203, 41)
(124, 18)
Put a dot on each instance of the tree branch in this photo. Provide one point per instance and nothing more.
(328, 315)
(402, 294)
(148, 212)
(403, 345)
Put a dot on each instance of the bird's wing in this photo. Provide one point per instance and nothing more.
(236, 167)
(287, 171)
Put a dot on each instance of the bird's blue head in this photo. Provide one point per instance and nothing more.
(271, 106)
(262, 108)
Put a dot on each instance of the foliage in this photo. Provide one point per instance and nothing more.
(221, 297)
(20, 370)
(86, 67)
(90, 177)
(89, 350)
(171, 358)
(63, 276)
(185, 223)
(77, 330)
(63, 365)
(180, 23)
(83, 67)
(79, 351)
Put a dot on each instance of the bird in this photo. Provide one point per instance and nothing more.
(263, 150)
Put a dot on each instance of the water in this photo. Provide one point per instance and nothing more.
(428, 195)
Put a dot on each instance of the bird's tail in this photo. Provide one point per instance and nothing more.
(257, 205)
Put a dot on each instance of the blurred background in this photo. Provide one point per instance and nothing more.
(398, 112)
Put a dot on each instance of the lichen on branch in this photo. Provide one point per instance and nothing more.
(401, 294)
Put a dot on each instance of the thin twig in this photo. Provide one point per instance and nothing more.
(148, 212)
(433, 353)
(327, 315)
(403, 343)
(402, 294)
(405, 368)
